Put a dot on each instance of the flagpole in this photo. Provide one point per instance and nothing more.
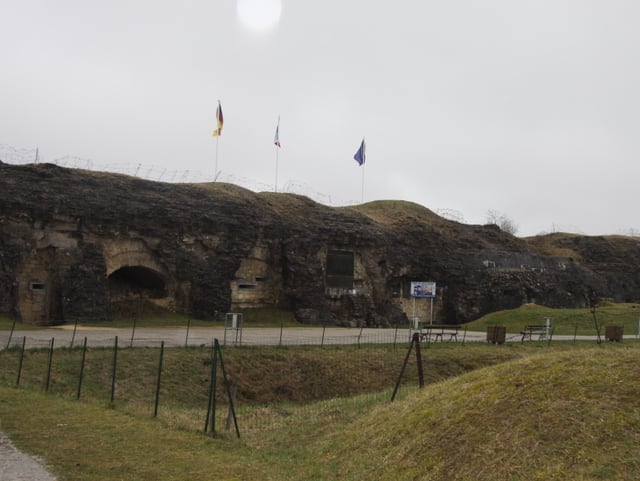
(276, 143)
(217, 133)
(215, 172)
(275, 188)
(362, 195)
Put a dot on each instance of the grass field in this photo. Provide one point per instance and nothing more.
(565, 321)
(504, 413)
(265, 375)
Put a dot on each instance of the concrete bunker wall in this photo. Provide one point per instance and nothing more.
(258, 280)
(38, 300)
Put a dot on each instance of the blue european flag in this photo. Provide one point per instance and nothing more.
(360, 154)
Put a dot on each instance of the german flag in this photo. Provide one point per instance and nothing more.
(217, 132)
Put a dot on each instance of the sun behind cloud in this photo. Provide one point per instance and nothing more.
(259, 14)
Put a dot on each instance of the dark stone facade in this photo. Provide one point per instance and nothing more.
(72, 242)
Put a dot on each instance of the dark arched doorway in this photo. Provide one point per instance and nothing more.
(136, 282)
(135, 292)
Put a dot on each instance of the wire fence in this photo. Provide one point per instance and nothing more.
(275, 377)
(21, 156)
(101, 335)
(174, 383)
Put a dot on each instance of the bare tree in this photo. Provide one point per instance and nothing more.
(503, 221)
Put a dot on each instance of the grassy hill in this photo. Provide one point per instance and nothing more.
(566, 416)
(565, 413)
(565, 321)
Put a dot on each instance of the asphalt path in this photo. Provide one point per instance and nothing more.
(73, 336)
(70, 336)
(17, 466)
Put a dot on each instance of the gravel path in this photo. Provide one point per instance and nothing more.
(17, 466)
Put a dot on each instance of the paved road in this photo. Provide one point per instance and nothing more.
(15, 465)
(65, 336)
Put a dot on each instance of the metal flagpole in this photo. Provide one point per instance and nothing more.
(276, 143)
(275, 187)
(415, 323)
(431, 317)
(362, 194)
(215, 173)
(217, 133)
(360, 158)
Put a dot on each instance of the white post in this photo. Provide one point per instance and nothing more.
(275, 188)
(215, 172)
(431, 321)
(548, 328)
(362, 194)
(276, 143)
(415, 319)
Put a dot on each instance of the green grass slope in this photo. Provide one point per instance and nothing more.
(565, 321)
(570, 415)
(86, 442)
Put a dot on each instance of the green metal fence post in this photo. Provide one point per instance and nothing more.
(24, 341)
(228, 387)
(13, 326)
(84, 356)
(73, 336)
(113, 372)
(133, 331)
(212, 392)
(155, 409)
(46, 384)
(186, 337)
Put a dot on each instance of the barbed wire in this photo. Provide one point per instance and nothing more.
(21, 156)
(12, 155)
(451, 214)
(16, 156)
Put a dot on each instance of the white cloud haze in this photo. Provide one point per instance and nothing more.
(527, 108)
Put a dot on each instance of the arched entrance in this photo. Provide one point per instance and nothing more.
(136, 281)
(136, 292)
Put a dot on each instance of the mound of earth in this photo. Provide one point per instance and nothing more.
(556, 416)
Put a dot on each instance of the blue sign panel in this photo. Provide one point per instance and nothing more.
(423, 289)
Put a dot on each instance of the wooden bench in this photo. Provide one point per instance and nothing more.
(540, 330)
(439, 331)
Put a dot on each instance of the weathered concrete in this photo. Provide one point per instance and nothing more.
(74, 244)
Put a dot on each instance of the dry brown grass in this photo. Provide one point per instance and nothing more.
(568, 415)
(548, 245)
(394, 212)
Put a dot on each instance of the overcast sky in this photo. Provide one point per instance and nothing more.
(527, 108)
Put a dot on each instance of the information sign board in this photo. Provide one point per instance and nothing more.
(423, 289)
